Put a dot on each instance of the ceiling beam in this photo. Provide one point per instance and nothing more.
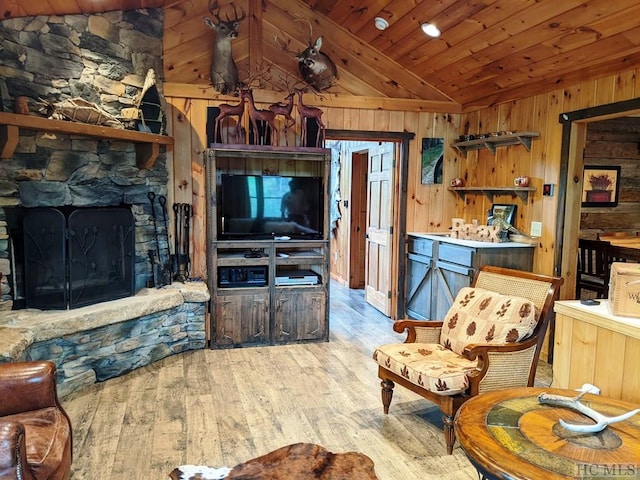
(185, 90)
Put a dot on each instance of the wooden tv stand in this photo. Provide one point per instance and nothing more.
(251, 304)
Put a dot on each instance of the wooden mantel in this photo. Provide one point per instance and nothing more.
(147, 144)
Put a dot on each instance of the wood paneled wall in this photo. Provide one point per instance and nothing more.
(539, 113)
(431, 207)
(614, 142)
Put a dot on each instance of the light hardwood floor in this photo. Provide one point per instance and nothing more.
(222, 407)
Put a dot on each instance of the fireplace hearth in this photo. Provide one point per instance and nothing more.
(77, 257)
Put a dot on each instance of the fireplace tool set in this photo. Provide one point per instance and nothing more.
(161, 270)
(166, 267)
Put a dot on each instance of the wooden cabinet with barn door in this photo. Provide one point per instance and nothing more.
(439, 266)
(300, 314)
(267, 244)
(252, 308)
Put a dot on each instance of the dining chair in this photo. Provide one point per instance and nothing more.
(593, 267)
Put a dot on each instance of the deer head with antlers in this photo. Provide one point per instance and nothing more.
(224, 73)
(316, 68)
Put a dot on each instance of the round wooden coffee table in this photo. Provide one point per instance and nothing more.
(508, 434)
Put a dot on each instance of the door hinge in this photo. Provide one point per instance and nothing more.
(391, 230)
(389, 294)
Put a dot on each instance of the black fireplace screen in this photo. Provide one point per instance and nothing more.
(84, 258)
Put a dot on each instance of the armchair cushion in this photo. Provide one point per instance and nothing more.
(480, 316)
(428, 365)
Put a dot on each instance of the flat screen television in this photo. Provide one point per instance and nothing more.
(263, 207)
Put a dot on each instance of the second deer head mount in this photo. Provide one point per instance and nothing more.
(316, 68)
(224, 73)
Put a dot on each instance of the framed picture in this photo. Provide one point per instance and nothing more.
(506, 212)
(432, 160)
(600, 186)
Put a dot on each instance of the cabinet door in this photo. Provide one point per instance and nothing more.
(419, 285)
(449, 279)
(241, 319)
(299, 316)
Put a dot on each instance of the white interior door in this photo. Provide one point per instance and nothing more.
(379, 243)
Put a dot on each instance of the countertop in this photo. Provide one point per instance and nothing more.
(599, 315)
(444, 237)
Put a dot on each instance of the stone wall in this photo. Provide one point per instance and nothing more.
(104, 59)
(98, 342)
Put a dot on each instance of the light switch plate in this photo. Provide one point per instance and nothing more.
(536, 229)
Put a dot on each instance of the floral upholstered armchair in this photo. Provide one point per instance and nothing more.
(489, 340)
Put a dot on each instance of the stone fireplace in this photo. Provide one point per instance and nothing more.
(78, 257)
(102, 177)
(103, 59)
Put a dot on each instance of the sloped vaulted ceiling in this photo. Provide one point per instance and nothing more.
(490, 51)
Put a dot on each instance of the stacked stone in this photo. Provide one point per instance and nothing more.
(104, 59)
(113, 350)
(103, 341)
(101, 58)
(6, 301)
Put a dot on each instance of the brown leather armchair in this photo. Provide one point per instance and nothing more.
(35, 431)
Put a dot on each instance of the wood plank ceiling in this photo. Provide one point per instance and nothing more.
(490, 51)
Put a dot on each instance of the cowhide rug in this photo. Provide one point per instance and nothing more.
(300, 461)
(199, 472)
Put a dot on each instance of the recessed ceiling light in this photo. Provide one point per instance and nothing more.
(381, 23)
(430, 29)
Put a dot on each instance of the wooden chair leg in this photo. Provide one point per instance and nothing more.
(387, 394)
(449, 433)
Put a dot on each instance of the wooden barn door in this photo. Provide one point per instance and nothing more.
(380, 199)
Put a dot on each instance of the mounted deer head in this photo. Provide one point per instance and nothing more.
(317, 69)
(224, 73)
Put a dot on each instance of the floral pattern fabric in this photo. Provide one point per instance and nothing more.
(480, 316)
(477, 316)
(429, 365)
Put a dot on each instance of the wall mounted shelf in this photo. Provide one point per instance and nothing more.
(522, 192)
(490, 143)
(147, 144)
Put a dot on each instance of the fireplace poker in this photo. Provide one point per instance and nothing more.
(176, 240)
(179, 221)
(187, 260)
(157, 265)
(154, 271)
(166, 266)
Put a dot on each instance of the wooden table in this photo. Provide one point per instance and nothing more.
(508, 434)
